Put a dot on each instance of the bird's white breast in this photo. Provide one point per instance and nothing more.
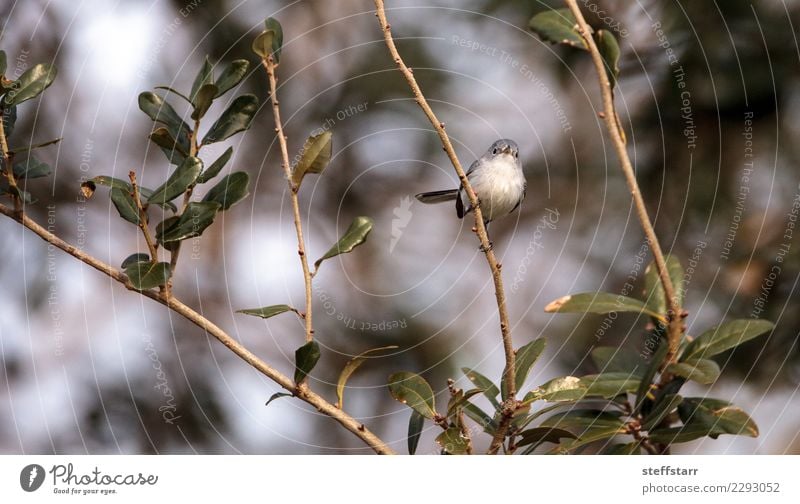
(500, 184)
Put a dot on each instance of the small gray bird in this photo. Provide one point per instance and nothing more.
(497, 179)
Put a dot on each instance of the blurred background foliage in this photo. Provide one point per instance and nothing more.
(89, 367)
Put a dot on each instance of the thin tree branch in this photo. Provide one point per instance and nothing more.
(143, 220)
(675, 323)
(200, 321)
(7, 161)
(269, 66)
(510, 403)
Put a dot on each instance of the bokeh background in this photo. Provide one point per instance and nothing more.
(91, 368)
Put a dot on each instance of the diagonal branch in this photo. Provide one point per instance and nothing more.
(209, 327)
(509, 405)
(270, 65)
(675, 322)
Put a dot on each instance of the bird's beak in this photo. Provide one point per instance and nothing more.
(506, 150)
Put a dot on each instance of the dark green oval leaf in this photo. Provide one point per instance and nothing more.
(314, 157)
(539, 435)
(237, 117)
(164, 225)
(197, 217)
(526, 357)
(654, 292)
(350, 368)
(146, 275)
(133, 259)
(559, 27)
(230, 190)
(232, 76)
(609, 50)
(703, 371)
(125, 205)
(204, 77)
(162, 112)
(726, 336)
(35, 80)
(599, 302)
(413, 391)
(355, 235)
(32, 168)
(202, 101)
(215, 167)
(169, 146)
(305, 358)
(490, 390)
(415, 424)
(666, 405)
(180, 180)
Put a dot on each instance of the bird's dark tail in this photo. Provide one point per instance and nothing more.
(437, 196)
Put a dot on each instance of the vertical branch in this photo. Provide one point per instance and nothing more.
(143, 221)
(269, 66)
(480, 229)
(7, 159)
(675, 324)
(187, 196)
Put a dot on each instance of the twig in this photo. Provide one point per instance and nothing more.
(510, 403)
(675, 324)
(7, 161)
(197, 319)
(269, 66)
(143, 221)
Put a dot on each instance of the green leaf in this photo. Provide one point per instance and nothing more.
(559, 27)
(204, 77)
(720, 416)
(661, 409)
(169, 146)
(565, 388)
(585, 419)
(490, 390)
(415, 424)
(237, 117)
(355, 235)
(230, 190)
(267, 311)
(652, 368)
(9, 120)
(25, 196)
(145, 193)
(32, 168)
(599, 302)
(184, 176)
(197, 217)
(162, 112)
(133, 259)
(146, 275)
(305, 358)
(653, 290)
(457, 402)
(125, 205)
(590, 435)
(35, 80)
(609, 385)
(619, 360)
(232, 76)
(634, 448)
(270, 41)
(609, 50)
(682, 434)
(725, 336)
(351, 367)
(277, 395)
(164, 225)
(480, 417)
(215, 167)
(413, 391)
(205, 96)
(452, 441)
(314, 157)
(176, 93)
(539, 435)
(702, 371)
(526, 357)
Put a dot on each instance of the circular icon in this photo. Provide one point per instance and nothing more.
(31, 477)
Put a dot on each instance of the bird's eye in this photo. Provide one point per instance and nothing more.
(494, 151)
(516, 155)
